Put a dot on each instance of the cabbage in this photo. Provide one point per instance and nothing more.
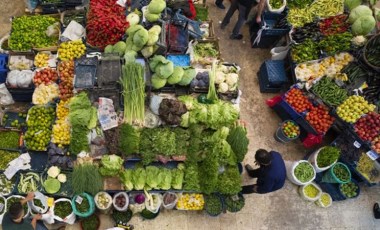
(111, 165)
(164, 70)
(140, 38)
(351, 4)
(153, 38)
(130, 56)
(363, 25)
(108, 49)
(147, 51)
(156, 6)
(133, 29)
(151, 17)
(156, 29)
(52, 185)
(133, 19)
(155, 60)
(119, 48)
(176, 76)
(158, 82)
(188, 76)
(358, 12)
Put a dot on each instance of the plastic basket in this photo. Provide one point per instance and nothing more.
(221, 203)
(178, 36)
(85, 72)
(376, 68)
(280, 135)
(91, 208)
(330, 177)
(270, 20)
(264, 85)
(274, 71)
(179, 59)
(109, 71)
(233, 206)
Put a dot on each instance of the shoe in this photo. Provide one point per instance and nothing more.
(236, 37)
(376, 211)
(220, 5)
(248, 167)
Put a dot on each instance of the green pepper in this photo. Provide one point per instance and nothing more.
(203, 99)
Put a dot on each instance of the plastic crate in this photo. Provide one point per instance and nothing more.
(270, 20)
(265, 87)
(306, 126)
(3, 61)
(109, 71)
(265, 42)
(179, 59)
(21, 95)
(161, 43)
(85, 72)
(111, 93)
(73, 2)
(3, 75)
(177, 36)
(289, 109)
(274, 71)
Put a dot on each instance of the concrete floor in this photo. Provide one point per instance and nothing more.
(283, 209)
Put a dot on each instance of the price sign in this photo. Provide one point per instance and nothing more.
(372, 154)
(357, 144)
(79, 199)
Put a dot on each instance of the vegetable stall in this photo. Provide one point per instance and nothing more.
(144, 100)
(328, 68)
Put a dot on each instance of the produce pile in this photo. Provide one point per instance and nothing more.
(349, 190)
(304, 172)
(290, 129)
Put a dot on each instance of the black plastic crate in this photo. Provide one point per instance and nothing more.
(85, 72)
(265, 87)
(177, 36)
(3, 75)
(73, 2)
(21, 95)
(111, 93)
(306, 126)
(274, 71)
(109, 71)
(271, 20)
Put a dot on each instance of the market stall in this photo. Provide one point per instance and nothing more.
(135, 94)
(331, 57)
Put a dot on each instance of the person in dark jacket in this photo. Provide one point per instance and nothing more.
(244, 7)
(270, 176)
(14, 218)
(219, 4)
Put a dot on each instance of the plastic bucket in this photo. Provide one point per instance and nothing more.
(221, 204)
(290, 167)
(70, 219)
(280, 135)
(107, 209)
(330, 177)
(313, 160)
(321, 204)
(307, 198)
(91, 203)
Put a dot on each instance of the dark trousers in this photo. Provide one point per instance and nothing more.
(218, 2)
(256, 173)
(243, 15)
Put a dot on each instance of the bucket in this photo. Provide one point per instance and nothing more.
(313, 160)
(344, 195)
(90, 199)
(208, 208)
(330, 177)
(307, 198)
(324, 196)
(280, 135)
(108, 206)
(290, 167)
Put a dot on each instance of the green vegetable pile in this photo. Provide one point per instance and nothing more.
(121, 218)
(40, 120)
(86, 178)
(306, 51)
(201, 12)
(90, 223)
(330, 92)
(372, 51)
(213, 116)
(213, 205)
(311, 191)
(29, 182)
(367, 168)
(362, 20)
(298, 3)
(336, 43)
(111, 165)
(9, 139)
(234, 203)
(327, 156)
(83, 206)
(83, 117)
(238, 140)
(62, 209)
(30, 32)
(204, 51)
(6, 157)
(304, 172)
(275, 4)
(341, 172)
(129, 139)
(38, 203)
(349, 190)
(6, 186)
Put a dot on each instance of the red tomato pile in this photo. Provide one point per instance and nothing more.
(320, 119)
(290, 129)
(66, 76)
(46, 76)
(297, 100)
(376, 144)
(368, 127)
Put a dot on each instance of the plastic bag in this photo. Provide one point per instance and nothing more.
(273, 101)
(5, 96)
(279, 53)
(70, 219)
(155, 102)
(24, 79)
(153, 202)
(312, 140)
(98, 199)
(43, 199)
(279, 10)
(53, 30)
(125, 207)
(172, 204)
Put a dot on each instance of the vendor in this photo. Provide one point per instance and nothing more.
(244, 7)
(270, 176)
(13, 219)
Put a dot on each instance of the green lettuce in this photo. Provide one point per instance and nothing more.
(139, 178)
(166, 178)
(153, 177)
(177, 178)
(111, 165)
(229, 182)
(191, 179)
(126, 179)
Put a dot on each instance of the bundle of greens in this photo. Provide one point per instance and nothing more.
(208, 173)
(327, 156)
(111, 165)
(191, 180)
(62, 209)
(86, 178)
(238, 140)
(129, 139)
(83, 117)
(133, 84)
(229, 182)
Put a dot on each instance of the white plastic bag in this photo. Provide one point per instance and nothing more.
(313, 160)
(153, 202)
(2, 209)
(24, 79)
(172, 204)
(303, 195)
(70, 219)
(5, 96)
(108, 205)
(290, 166)
(279, 53)
(279, 10)
(43, 199)
(121, 209)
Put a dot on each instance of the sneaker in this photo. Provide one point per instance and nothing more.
(220, 5)
(236, 37)
(376, 211)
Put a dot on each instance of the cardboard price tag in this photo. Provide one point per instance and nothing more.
(79, 199)
(357, 144)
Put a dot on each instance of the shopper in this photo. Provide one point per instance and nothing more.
(219, 4)
(13, 219)
(244, 7)
(271, 174)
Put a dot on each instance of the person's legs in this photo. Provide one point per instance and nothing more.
(243, 13)
(247, 189)
(255, 173)
(230, 12)
(219, 4)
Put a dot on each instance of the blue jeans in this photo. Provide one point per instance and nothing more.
(243, 15)
(40, 225)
